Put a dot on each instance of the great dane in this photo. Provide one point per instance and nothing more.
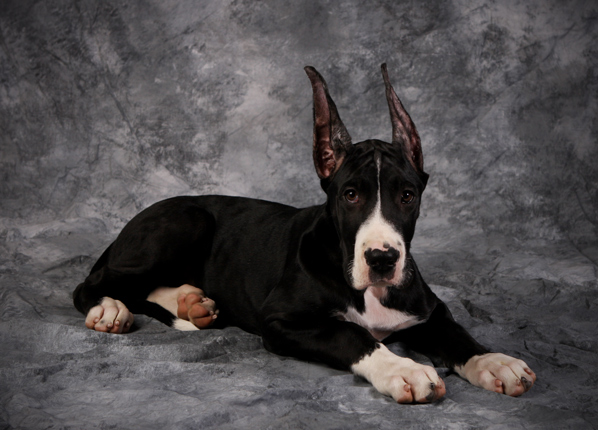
(333, 283)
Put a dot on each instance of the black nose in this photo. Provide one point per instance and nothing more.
(381, 261)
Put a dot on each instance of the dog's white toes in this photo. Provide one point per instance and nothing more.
(110, 316)
(424, 383)
(399, 390)
(499, 373)
(401, 378)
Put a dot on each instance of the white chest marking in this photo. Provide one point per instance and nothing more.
(379, 320)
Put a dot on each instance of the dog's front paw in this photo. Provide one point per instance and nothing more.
(110, 316)
(401, 378)
(499, 373)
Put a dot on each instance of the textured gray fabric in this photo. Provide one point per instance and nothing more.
(108, 106)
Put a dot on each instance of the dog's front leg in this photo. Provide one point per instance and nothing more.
(347, 346)
(449, 343)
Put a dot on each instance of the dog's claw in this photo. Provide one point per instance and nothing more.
(526, 384)
(432, 396)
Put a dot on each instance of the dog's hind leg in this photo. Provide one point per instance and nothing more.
(161, 250)
(185, 307)
(103, 313)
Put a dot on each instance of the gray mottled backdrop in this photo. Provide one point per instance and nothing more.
(109, 106)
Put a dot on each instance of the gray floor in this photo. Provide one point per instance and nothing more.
(107, 107)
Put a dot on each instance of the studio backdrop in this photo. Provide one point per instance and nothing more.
(109, 106)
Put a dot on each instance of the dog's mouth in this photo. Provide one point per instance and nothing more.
(364, 276)
(381, 279)
(381, 284)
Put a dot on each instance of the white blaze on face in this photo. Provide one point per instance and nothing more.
(376, 233)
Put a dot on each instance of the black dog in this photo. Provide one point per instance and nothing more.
(325, 283)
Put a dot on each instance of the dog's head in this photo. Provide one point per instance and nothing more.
(374, 189)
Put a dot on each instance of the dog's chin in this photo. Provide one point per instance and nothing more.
(381, 284)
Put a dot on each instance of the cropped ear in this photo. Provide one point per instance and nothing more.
(403, 129)
(331, 139)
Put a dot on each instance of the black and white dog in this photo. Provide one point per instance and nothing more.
(327, 283)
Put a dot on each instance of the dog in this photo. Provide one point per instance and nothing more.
(333, 283)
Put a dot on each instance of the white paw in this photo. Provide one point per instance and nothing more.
(499, 373)
(110, 316)
(401, 378)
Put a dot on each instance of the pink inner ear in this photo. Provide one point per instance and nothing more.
(328, 154)
(327, 162)
(322, 113)
(403, 128)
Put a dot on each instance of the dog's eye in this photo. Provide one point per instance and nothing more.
(407, 197)
(351, 196)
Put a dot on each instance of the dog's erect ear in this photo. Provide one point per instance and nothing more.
(403, 129)
(331, 139)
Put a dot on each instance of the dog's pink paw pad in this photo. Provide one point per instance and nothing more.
(197, 309)
(201, 316)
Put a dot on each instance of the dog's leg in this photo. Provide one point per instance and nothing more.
(192, 309)
(163, 246)
(448, 343)
(345, 345)
(102, 312)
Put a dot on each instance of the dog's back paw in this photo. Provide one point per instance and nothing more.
(110, 316)
(195, 308)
